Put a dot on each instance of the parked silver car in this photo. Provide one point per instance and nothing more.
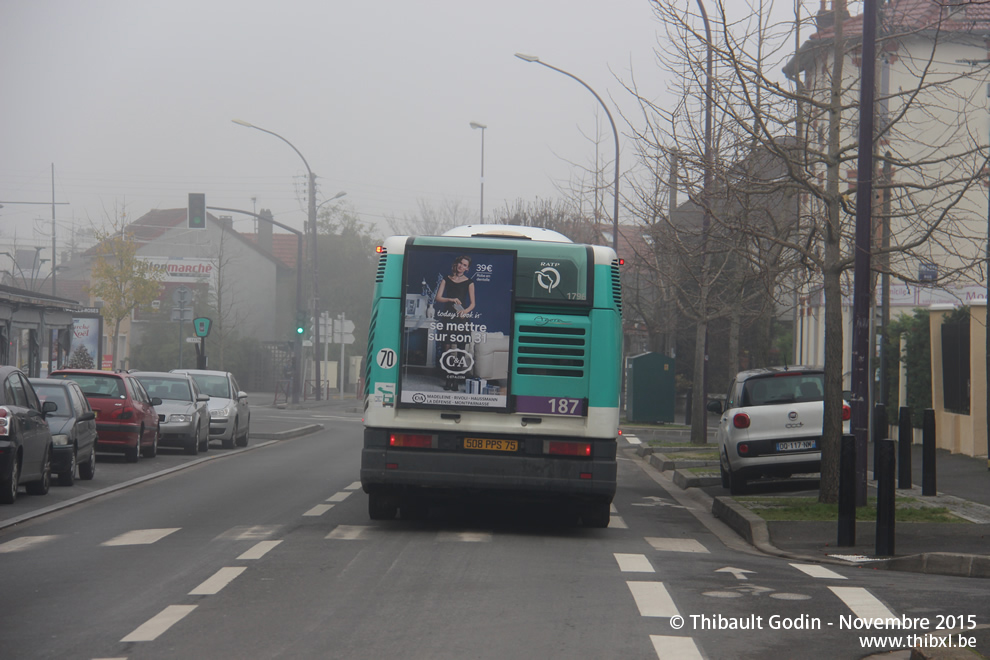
(230, 416)
(183, 413)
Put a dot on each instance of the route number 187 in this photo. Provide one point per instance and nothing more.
(564, 406)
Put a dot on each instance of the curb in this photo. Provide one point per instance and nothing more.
(942, 563)
(291, 433)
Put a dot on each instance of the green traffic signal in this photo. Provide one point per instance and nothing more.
(301, 318)
(197, 211)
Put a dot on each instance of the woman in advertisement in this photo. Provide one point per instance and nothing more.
(455, 296)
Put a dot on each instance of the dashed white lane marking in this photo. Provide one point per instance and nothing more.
(634, 563)
(141, 536)
(464, 537)
(354, 486)
(339, 497)
(25, 543)
(633, 440)
(319, 510)
(678, 648)
(816, 571)
(158, 624)
(218, 581)
(259, 550)
(349, 533)
(616, 522)
(676, 545)
(652, 599)
(250, 533)
(863, 604)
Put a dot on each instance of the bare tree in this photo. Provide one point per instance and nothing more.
(430, 220)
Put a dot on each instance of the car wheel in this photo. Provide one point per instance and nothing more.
(9, 486)
(381, 507)
(596, 515)
(192, 445)
(242, 441)
(204, 443)
(152, 451)
(737, 485)
(725, 475)
(68, 477)
(41, 486)
(88, 469)
(131, 454)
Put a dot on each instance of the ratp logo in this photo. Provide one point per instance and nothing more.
(548, 278)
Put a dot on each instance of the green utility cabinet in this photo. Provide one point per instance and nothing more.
(650, 388)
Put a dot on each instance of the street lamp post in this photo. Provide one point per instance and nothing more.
(475, 124)
(615, 137)
(311, 178)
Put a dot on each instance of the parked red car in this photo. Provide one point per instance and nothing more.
(126, 420)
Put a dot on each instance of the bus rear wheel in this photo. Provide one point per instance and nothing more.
(382, 507)
(596, 515)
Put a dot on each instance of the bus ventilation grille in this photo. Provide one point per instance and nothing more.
(382, 257)
(372, 327)
(544, 351)
(616, 285)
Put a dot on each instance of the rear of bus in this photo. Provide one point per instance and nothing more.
(517, 396)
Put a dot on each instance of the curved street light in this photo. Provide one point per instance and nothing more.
(615, 137)
(475, 124)
(312, 228)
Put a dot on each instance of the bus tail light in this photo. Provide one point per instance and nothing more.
(741, 421)
(416, 440)
(557, 448)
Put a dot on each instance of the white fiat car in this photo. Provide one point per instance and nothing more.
(771, 424)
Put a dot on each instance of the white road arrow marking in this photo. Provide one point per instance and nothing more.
(739, 573)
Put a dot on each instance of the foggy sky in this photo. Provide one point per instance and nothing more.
(132, 102)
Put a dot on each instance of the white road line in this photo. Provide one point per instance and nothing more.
(141, 536)
(634, 563)
(25, 543)
(652, 599)
(354, 486)
(616, 522)
(319, 510)
(339, 497)
(676, 545)
(633, 440)
(259, 550)
(250, 532)
(218, 581)
(817, 571)
(863, 604)
(677, 648)
(349, 533)
(464, 537)
(156, 625)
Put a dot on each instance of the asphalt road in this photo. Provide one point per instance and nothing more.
(269, 553)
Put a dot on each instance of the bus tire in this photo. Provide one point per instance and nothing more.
(381, 507)
(597, 515)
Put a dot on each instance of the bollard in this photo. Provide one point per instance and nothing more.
(905, 436)
(847, 491)
(880, 432)
(928, 454)
(884, 471)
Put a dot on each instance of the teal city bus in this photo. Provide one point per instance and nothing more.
(494, 356)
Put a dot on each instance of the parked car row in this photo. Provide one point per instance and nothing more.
(56, 425)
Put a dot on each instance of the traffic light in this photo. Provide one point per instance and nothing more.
(197, 211)
(301, 318)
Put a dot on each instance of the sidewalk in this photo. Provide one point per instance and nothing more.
(960, 549)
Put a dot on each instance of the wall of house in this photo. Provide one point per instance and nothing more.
(961, 434)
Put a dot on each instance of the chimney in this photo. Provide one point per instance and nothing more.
(825, 19)
(265, 231)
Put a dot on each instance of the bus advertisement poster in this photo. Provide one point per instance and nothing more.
(457, 327)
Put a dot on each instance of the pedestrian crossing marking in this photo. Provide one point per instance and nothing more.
(339, 497)
(676, 545)
(25, 543)
(817, 571)
(354, 486)
(678, 648)
(350, 533)
(629, 563)
(616, 522)
(141, 536)
(652, 599)
(464, 537)
(250, 532)
(218, 581)
(863, 604)
(633, 440)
